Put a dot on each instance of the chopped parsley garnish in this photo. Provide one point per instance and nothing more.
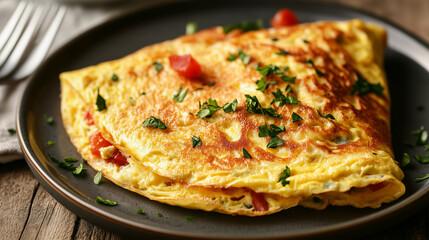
(253, 106)
(11, 131)
(105, 202)
(180, 96)
(143, 93)
(246, 154)
(230, 107)
(115, 77)
(154, 122)
(274, 39)
(309, 61)
(282, 52)
(283, 175)
(191, 27)
(288, 89)
(269, 70)
(70, 159)
(139, 210)
(49, 120)
(282, 99)
(421, 159)
(262, 84)
(296, 117)
(422, 136)
(426, 148)
(198, 89)
(306, 41)
(158, 66)
(362, 87)
(190, 218)
(208, 109)
(272, 132)
(98, 177)
(50, 143)
(422, 178)
(290, 79)
(245, 58)
(132, 101)
(160, 215)
(196, 141)
(84, 160)
(78, 170)
(319, 73)
(62, 164)
(231, 57)
(327, 94)
(211, 84)
(244, 26)
(405, 160)
(326, 115)
(101, 103)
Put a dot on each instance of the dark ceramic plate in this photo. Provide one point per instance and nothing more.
(407, 66)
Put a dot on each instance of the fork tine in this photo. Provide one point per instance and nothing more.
(40, 51)
(10, 25)
(16, 33)
(23, 43)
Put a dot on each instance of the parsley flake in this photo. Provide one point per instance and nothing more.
(269, 70)
(253, 106)
(132, 101)
(11, 131)
(326, 115)
(296, 117)
(70, 159)
(274, 39)
(282, 99)
(230, 107)
(50, 143)
(115, 77)
(139, 210)
(319, 73)
(405, 160)
(306, 41)
(421, 159)
(190, 218)
(180, 96)
(154, 122)
(105, 202)
(245, 58)
(290, 79)
(78, 170)
(98, 177)
(244, 26)
(158, 66)
(160, 215)
(362, 87)
(143, 93)
(426, 148)
(231, 57)
(272, 132)
(191, 27)
(101, 103)
(282, 52)
(422, 136)
(196, 141)
(422, 178)
(208, 109)
(49, 120)
(246, 154)
(262, 84)
(283, 175)
(275, 142)
(62, 164)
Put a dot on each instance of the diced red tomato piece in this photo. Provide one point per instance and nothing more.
(119, 159)
(185, 65)
(377, 186)
(258, 201)
(88, 118)
(284, 17)
(97, 141)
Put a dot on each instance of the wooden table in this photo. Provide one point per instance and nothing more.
(27, 211)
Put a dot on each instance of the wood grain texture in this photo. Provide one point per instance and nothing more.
(27, 211)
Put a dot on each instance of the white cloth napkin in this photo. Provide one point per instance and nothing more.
(79, 17)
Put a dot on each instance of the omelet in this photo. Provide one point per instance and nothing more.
(277, 118)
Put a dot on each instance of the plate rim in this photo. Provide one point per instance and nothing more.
(405, 207)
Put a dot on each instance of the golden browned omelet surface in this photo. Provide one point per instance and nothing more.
(339, 159)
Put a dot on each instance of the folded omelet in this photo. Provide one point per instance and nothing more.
(278, 118)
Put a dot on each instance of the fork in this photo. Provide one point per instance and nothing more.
(21, 51)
